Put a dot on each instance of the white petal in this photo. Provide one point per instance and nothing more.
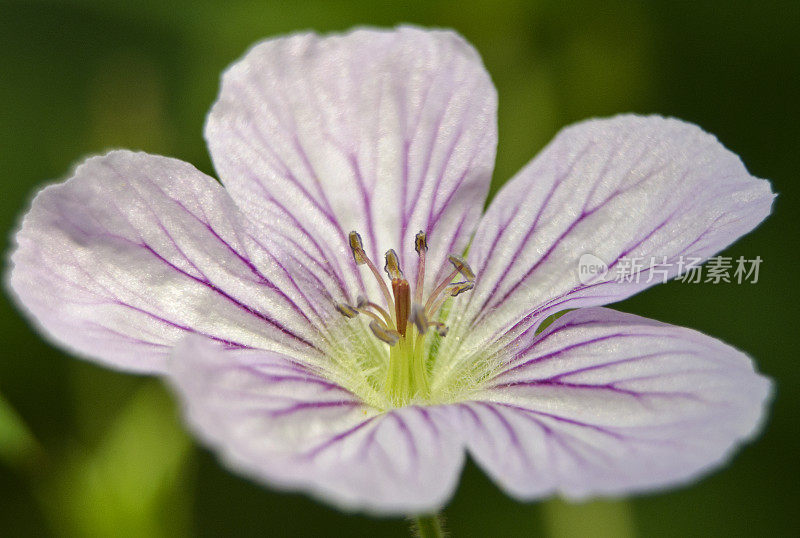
(136, 251)
(381, 132)
(630, 186)
(276, 421)
(605, 403)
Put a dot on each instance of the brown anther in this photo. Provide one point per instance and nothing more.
(361, 301)
(392, 266)
(459, 287)
(462, 267)
(384, 334)
(346, 310)
(420, 242)
(357, 246)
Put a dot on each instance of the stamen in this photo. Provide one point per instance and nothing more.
(439, 289)
(363, 304)
(375, 317)
(421, 242)
(420, 321)
(462, 267)
(346, 310)
(361, 257)
(357, 246)
(435, 301)
(452, 290)
(390, 336)
(459, 288)
(421, 246)
(392, 266)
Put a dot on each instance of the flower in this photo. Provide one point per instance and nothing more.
(264, 306)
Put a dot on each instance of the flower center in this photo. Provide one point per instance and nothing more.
(407, 318)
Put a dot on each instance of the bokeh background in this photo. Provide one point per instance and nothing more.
(85, 451)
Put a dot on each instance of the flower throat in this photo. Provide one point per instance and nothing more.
(407, 319)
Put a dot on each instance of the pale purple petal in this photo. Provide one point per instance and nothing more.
(275, 420)
(605, 403)
(382, 132)
(136, 251)
(627, 187)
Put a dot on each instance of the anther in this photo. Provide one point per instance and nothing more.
(451, 290)
(459, 287)
(361, 257)
(346, 310)
(361, 301)
(390, 336)
(392, 266)
(357, 246)
(420, 242)
(462, 267)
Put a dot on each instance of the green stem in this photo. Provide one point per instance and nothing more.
(429, 526)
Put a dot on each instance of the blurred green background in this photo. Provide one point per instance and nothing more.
(85, 451)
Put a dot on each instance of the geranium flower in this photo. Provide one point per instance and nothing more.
(264, 303)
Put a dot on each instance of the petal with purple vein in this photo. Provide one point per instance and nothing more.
(605, 403)
(136, 251)
(275, 420)
(382, 132)
(646, 188)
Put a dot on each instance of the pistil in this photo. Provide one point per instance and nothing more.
(400, 289)
(402, 303)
